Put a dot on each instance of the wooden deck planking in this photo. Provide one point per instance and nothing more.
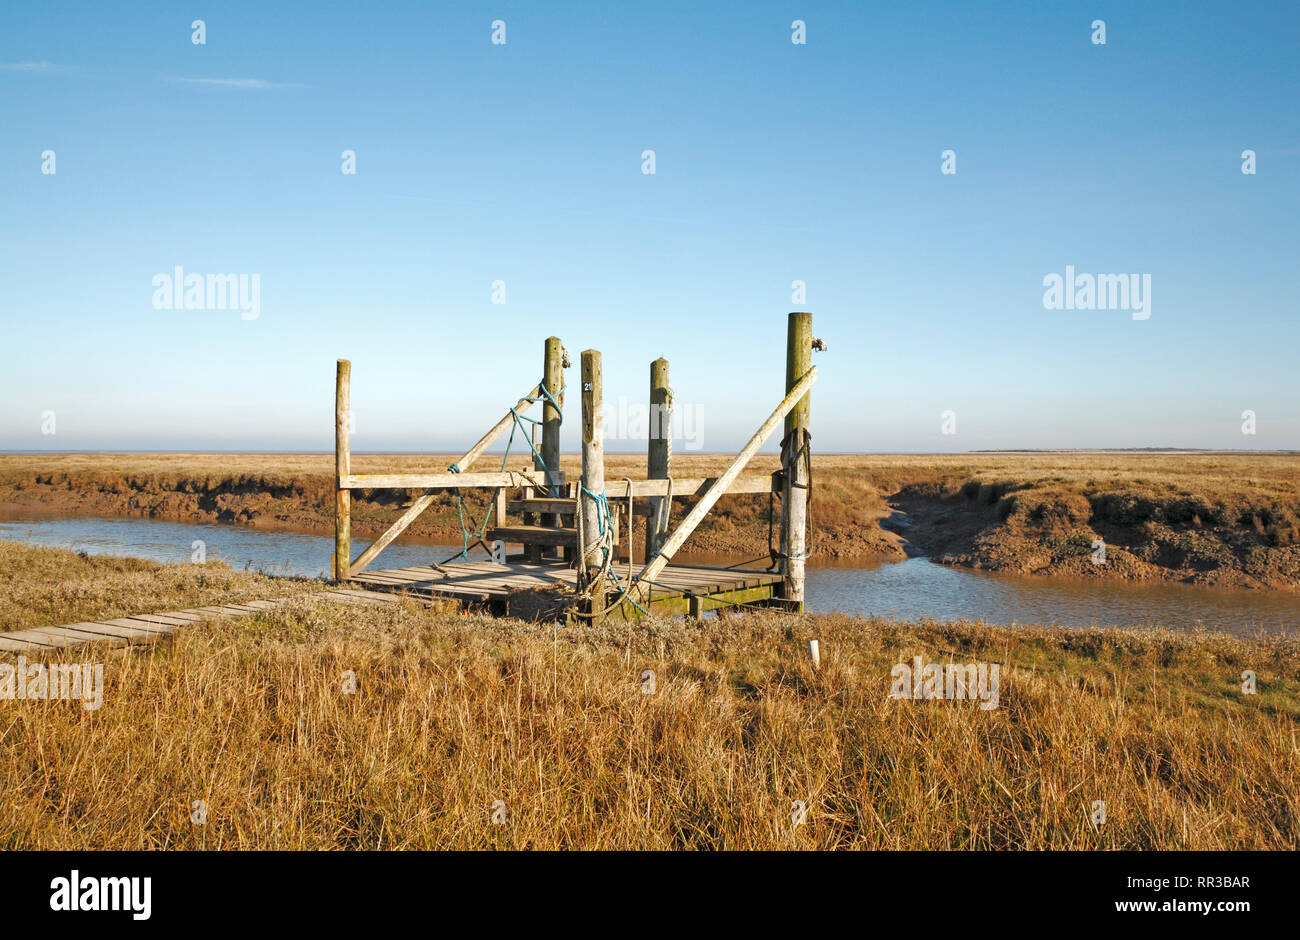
(106, 631)
(67, 636)
(133, 624)
(479, 581)
(24, 640)
(164, 619)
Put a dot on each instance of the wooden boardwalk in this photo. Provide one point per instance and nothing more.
(513, 589)
(149, 628)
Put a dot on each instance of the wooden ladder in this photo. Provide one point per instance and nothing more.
(548, 525)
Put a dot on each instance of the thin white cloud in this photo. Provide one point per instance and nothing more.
(238, 83)
(30, 67)
(254, 84)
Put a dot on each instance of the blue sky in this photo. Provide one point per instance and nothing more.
(775, 162)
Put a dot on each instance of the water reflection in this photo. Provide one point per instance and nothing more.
(905, 590)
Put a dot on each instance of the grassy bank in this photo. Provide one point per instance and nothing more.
(48, 586)
(454, 712)
(1230, 520)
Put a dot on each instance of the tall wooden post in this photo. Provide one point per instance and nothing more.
(794, 496)
(593, 457)
(552, 383)
(342, 468)
(658, 456)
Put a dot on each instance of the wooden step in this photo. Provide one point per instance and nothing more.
(563, 507)
(534, 535)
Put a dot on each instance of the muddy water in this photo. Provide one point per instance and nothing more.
(906, 590)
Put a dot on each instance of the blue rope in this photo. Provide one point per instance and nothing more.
(622, 593)
(604, 518)
(602, 504)
(550, 474)
(519, 426)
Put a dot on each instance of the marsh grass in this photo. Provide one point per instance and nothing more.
(454, 712)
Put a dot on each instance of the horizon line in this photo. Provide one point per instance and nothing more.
(719, 453)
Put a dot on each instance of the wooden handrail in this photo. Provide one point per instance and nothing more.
(444, 481)
(691, 486)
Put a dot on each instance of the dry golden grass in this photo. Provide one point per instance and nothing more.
(454, 712)
(1215, 471)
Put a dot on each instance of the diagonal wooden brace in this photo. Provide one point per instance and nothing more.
(426, 499)
(640, 590)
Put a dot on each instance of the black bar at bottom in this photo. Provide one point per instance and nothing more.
(657, 892)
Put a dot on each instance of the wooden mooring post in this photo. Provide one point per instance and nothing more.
(552, 384)
(794, 461)
(593, 461)
(658, 457)
(342, 470)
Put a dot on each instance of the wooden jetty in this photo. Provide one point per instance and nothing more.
(568, 530)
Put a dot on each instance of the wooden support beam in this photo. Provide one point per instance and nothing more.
(659, 453)
(499, 505)
(675, 604)
(426, 499)
(444, 481)
(657, 564)
(533, 535)
(553, 505)
(691, 486)
(393, 531)
(593, 457)
(342, 467)
(794, 464)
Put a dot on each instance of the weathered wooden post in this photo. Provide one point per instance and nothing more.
(658, 456)
(794, 466)
(593, 459)
(342, 468)
(552, 383)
